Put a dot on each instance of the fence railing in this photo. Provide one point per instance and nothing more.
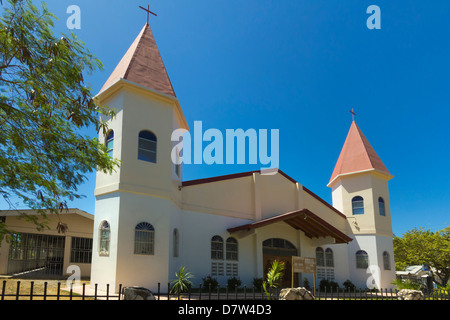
(58, 293)
(85, 292)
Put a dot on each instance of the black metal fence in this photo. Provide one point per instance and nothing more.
(58, 293)
(85, 292)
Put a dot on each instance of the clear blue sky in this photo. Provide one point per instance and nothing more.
(299, 66)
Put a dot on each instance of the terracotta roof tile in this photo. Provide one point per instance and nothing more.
(357, 155)
(142, 64)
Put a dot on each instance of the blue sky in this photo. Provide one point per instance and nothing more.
(299, 66)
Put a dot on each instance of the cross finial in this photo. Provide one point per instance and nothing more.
(353, 114)
(148, 11)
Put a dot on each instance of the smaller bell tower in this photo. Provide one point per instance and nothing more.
(360, 190)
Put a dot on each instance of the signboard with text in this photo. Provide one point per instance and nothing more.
(304, 264)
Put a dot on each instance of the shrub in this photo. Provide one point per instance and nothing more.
(234, 283)
(349, 286)
(328, 285)
(257, 283)
(306, 284)
(210, 283)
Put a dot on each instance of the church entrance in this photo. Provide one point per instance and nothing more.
(281, 250)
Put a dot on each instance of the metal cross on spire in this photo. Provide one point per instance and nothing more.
(148, 11)
(353, 114)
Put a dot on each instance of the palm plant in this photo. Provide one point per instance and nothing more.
(181, 283)
(274, 277)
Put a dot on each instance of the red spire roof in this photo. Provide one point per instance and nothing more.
(142, 64)
(357, 155)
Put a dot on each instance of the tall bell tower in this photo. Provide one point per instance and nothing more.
(137, 207)
(360, 190)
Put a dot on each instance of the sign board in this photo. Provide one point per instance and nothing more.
(303, 264)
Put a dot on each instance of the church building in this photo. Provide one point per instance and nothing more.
(148, 222)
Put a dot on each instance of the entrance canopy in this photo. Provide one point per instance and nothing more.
(304, 220)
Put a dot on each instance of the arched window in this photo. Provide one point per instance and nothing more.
(105, 234)
(217, 248)
(232, 249)
(232, 257)
(176, 242)
(279, 247)
(362, 259)
(386, 261)
(144, 239)
(147, 146)
(358, 205)
(217, 254)
(109, 142)
(329, 260)
(320, 261)
(325, 264)
(381, 206)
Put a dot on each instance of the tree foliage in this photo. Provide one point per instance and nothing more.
(419, 246)
(45, 105)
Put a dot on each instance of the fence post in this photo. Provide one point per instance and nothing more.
(58, 291)
(45, 290)
(3, 289)
(84, 290)
(71, 290)
(18, 290)
(31, 290)
(168, 291)
(95, 291)
(159, 291)
(120, 291)
(107, 291)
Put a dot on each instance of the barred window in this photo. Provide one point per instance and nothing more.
(144, 237)
(320, 261)
(329, 260)
(217, 248)
(362, 259)
(325, 264)
(105, 234)
(81, 250)
(232, 249)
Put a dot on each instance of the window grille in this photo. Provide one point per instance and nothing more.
(232, 249)
(81, 250)
(217, 248)
(362, 259)
(144, 239)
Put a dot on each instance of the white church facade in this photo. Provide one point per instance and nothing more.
(149, 222)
